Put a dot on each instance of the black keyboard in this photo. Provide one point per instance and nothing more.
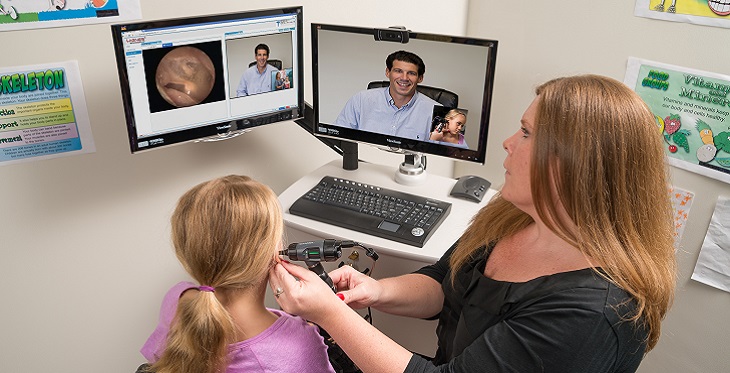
(370, 209)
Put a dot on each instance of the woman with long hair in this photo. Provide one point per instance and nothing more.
(570, 268)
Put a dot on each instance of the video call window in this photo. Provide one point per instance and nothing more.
(184, 76)
(460, 67)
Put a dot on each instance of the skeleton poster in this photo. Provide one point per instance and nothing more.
(43, 113)
(691, 110)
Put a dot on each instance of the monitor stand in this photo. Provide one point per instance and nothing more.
(224, 136)
(412, 171)
(349, 155)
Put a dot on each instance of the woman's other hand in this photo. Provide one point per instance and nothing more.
(355, 288)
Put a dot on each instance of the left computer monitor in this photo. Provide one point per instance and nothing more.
(209, 77)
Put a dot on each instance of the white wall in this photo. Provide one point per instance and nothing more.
(84, 249)
(540, 40)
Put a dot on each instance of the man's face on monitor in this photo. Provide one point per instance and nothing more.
(403, 78)
(261, 57)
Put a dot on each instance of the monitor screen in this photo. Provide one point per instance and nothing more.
(209, 77)
(358, 97)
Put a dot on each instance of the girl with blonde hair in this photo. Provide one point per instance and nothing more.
(452, 132)
(227, 233)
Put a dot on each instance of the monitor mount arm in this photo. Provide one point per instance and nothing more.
(412, 171)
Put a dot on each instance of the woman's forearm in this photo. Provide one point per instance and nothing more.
(371, 350)
(412, 295)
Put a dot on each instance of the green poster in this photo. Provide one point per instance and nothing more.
(692, 111)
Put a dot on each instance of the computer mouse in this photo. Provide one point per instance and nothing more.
(470, 187)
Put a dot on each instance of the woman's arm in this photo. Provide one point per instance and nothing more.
(412, 295)
(305, 294)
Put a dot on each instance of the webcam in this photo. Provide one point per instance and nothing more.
(397, 34)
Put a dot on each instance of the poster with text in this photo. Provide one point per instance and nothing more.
(31, 14)
(692, 111)
(700, 12)
(43, 113)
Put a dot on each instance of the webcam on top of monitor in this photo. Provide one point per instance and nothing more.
(397, 34)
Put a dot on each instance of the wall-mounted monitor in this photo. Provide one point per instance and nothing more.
(358, 98)
(209, 77)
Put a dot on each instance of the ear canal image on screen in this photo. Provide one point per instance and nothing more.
(185, 76)
(179, 77)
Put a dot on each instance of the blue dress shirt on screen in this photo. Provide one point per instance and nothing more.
(373, 110)
(252, 82)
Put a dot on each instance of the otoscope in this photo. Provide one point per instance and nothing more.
(313, 253)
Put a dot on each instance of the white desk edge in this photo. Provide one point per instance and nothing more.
(436, 187)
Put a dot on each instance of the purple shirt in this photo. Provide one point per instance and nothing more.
(290, 344)
(460, 144)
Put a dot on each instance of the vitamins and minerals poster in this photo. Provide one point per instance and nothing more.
(692, 111)
(43, 113)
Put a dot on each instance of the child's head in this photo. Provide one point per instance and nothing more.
(227, 232)
(456, 119)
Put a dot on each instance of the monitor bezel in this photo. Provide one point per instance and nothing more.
(213, 131)
(400, 144)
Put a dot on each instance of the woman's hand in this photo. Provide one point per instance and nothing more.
(356, 289)
(306, 295)
(301, 292)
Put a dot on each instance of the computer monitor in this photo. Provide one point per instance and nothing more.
(353, 99)
(183, 79)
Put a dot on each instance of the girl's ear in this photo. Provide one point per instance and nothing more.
(277, 251)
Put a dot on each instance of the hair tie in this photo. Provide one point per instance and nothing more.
(206, 288)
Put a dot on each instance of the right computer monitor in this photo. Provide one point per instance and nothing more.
(358, 97)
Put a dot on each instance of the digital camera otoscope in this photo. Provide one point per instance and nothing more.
(313, 253)
(438, 123)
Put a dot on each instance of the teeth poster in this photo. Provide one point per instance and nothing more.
(700, 12)
(692, 112)
(43, 113)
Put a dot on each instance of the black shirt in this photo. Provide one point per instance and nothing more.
(565, 322)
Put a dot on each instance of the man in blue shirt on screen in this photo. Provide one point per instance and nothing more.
(398, 110)
(257, 78)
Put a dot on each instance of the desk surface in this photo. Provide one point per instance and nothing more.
(436, 187)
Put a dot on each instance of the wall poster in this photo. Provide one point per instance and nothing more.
(713, 264)
(43, 113)
(700, 12)
(31, 14)
(692, 111)
(681, 204)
